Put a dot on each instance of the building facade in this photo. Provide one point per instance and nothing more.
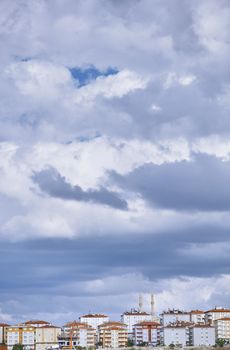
(21, 334)
(215, 314)
(177, 334)
(113, 335)
(197, 316)
(94, 320)
(133, 317)
(77, 333)
(222, 329)
(202, 335)
(147, 332)
(3, 332)
(173, 316)
(46, 337)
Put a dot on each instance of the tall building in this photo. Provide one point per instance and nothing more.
(173, 316)
(94, 320)
(202, 335)
(77, 333)
(222, 328)
(216, 313)
(113, 335)
(147, 332)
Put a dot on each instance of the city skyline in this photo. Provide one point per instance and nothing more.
(114, 156)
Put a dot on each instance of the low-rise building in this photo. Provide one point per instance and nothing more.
(77, 334)
(177, 334)
(222, 328)
(173, 316)
(130, 318)
(215, 314)
(202, 335)
(113, 335)
(147, 332)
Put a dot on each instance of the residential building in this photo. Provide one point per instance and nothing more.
(22, 334)
(94, 320)
(216, 313)
(197, 316)
(222, 328)
(147, 332)
(3, 332)
(113, 335)
(130, 318)
(173, 316)
(80, 334)
(46, 337)
(176, 333)
(202, 335)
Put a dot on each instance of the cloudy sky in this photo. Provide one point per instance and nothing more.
(114, 156)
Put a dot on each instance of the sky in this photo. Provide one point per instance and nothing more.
(114, 156)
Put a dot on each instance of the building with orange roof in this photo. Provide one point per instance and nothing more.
(197, 316)
(113, 335)
(80, 334)
(46, 336)
(215, 314)
(130, 318)
(147, 332)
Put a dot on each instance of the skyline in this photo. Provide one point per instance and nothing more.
(114, 156)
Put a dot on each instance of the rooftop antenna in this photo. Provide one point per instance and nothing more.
(140, 302)
(152, 305)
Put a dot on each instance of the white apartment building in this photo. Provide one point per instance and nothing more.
(113, 335)
(94, 320)
(202, 335)
(46, 337)
(176, 333)
(173, 316)
(22, 334)
(215, 314)
(80, 334)
(147, 332)
(130, 318)
(197, 316)
(222, 328)
(3, 332)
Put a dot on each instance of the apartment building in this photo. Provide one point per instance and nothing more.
(197, 316)
(46, 337)
(147, 332)
(222, 328)
(215, 314)
(22, 334)
(177, 333)
(202, 335)
(130, 318)
(3, 332)
(113, 335)
(94, 320)
(77, 333)
(174, 316)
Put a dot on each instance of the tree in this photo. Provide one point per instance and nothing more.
(172, 346)
(17, 347)
(220, 342)
(130, 343)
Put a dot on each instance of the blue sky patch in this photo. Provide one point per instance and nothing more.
(85, 76)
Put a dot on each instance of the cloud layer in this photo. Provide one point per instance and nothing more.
(114, 155)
